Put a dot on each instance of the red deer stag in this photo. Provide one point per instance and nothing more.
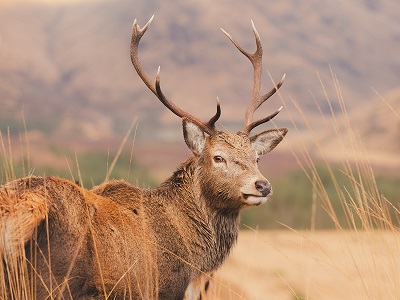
(118, 241)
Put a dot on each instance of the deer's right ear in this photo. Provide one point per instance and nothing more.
(265, 141)
(194, 136)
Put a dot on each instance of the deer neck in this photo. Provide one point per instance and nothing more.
(214, 231)
(225, 228)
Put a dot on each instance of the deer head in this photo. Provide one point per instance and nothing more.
(227, 162)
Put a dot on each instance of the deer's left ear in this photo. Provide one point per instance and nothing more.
(265, 141)
(194, 136)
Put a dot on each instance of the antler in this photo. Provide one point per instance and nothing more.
(137, 34)
(256, 100)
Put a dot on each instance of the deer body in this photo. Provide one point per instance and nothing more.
(123, 242)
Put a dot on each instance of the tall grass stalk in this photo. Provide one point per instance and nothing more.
(370, 217)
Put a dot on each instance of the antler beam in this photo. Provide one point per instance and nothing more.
(137, 34)
(256, 100)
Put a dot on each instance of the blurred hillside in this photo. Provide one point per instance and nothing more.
(66, 63)
(66, 66)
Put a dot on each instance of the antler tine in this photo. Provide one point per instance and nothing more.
(272, 91)
(256, 100)
(137, 34)
(252, 125)
(211, 122)
(261, 121)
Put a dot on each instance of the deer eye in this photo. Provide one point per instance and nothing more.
(218, 159)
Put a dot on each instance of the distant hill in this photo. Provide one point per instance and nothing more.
(371, 132)
(66, 63)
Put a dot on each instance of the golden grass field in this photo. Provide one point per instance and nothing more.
(311, 265)
(360, 262)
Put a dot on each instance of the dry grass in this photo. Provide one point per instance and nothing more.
(312, 265)
(357, 263)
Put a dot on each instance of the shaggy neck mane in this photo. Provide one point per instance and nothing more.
(215, 231)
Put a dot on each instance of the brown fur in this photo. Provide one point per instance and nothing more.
(125, 242)
(118, 241)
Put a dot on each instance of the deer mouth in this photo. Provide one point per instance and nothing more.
(251, 199)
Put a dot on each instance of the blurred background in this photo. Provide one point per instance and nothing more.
(66, 76)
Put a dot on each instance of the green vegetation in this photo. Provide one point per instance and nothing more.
(93, 167)
(294, 196)
(297, 201)
(15, 126)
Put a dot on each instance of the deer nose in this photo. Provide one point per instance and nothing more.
(264, 187)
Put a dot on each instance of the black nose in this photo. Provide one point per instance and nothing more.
(264, 187)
